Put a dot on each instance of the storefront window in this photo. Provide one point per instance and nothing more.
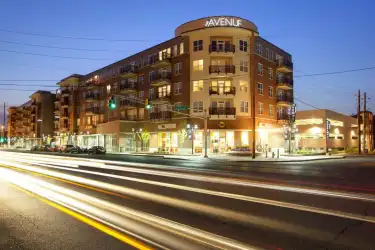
(174, 140)
(245, 138)
(230, 140)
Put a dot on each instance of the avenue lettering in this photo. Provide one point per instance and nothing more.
(222, 21)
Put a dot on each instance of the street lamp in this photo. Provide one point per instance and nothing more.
(192, 130)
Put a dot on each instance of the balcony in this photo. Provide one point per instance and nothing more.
(222, 69)
(161, 79)
(128, 87)
(284, 83)
(65, 92)
(65, 103)
(160, 60)
(130, 118)
(91, 84)
(222, 90)
(92, 97)
(284, 100)
(222, 111)
(90, 126)
(127, 104)
(33, 112)
(222, 48)
(284, 66)
(160, 116)
(160, 96)
(284, 118)
(93, 110)
(129, 71)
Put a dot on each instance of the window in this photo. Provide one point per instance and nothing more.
(150, 75)
(151, 93)
(244, 107)
(271, 56)
(198, 45)
(260, 108)
(88, 120)
(270, 73)
(108, 88)
(197, 106)
(78, 110)
(267, 53)
(270, 91)
(165, 53)
(198, 65)
(177, 88)
(78, 122)
(181, 48)
(243, 45)
(164, 91)
(178, 68)
(142, 79)
(141, 94)
(260, 88)
(259, 50)
(175, 50)
(244, 66)
(197, 86)
(243, 86)
(141, 113)
(260, 69)
(271, 110)
(222, 87)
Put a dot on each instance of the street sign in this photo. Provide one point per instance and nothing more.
(180, 108)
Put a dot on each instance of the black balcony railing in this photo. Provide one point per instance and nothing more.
(129, 69)
(222, 90)
(92, 97)
(160, 96)
(127, 86)
(284, 63)
(159, 58)
(222, 111)
(161, 116)
(228, 48)
(284, 80)
(126, 103)
(285, 98)
(94, 110)
(161, 76)
(223, 69)
(285, 117)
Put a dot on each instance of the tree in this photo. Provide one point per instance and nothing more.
(182, 134)
(144, 137)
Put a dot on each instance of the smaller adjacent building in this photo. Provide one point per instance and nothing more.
(367, 135)
(325, 130)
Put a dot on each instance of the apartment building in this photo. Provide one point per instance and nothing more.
(31, 122)
(325, 130)
(210, 69)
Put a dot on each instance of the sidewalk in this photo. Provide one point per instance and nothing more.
(230, 158)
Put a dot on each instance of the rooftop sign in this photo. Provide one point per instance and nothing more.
(223, 21)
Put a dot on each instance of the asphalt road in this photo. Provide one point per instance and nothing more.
(152, 203)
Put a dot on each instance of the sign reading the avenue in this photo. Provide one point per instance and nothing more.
(223, 21)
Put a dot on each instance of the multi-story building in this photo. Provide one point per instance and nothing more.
(29, 123)
(367, 135)
(325, 130)
(217, 67)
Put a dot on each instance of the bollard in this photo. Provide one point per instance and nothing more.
(278, 153)
(266, 154)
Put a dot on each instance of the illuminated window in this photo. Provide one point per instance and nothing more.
(244, 107)
(181, 48)
(270, 73)
(243, 45)
(244, 66)
(243, 86)
(164, 91)
(165, 53)
(270, 91)
(260, 108)
(198, 65)
(245, 138)
(198, 45)
(271, 110)
(197, 86)
(141, 113)
(260, 88)
(108, 88)
(260, 69)
(174, 140)
(78, 122)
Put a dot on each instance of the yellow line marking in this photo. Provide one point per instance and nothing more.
(89, 221)
(66, 181)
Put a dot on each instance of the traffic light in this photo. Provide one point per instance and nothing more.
(112, 103)
(147, 105)
(2, 139)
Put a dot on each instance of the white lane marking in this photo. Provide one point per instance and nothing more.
(196, 190)
(247, 183)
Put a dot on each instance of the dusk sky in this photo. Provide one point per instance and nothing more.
(322, 36)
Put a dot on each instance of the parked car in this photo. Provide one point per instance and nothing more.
(66, 148)
(77, 150)
(35, 148)
(54, 148)
(96, 150)
(45, 148)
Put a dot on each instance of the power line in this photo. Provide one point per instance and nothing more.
(25, 90)
(56, 56)
(64, 48)
(27, 85)
(27, 80)
(307, 103)
(337, 72)
(78, 38)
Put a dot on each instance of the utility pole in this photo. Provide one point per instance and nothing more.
(364, 122)
(359, 121)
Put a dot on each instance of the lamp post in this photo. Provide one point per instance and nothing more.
(135, 132)
(39, 122)
(192, 130)
(2, 135)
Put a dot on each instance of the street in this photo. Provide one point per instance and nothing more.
(52, 201)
